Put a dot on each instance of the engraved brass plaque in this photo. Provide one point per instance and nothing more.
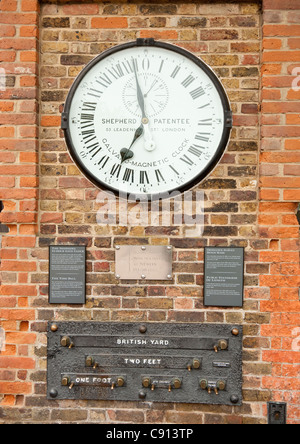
(149, 262)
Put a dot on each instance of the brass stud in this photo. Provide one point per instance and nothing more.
(196, 363)
(120, 381)
(54, 327)
(142, 328)
(176, 383)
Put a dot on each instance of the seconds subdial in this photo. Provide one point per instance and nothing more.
(155, 93)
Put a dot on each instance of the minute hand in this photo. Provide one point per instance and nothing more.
(140, 95)
(149, 143)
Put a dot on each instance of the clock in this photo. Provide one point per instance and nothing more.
(145, 119)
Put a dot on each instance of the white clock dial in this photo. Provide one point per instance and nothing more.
(146, 118)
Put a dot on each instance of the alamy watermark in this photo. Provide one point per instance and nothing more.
(296, 341)
(171, 209)
(2, 339)
(296, 81)
(2, 79)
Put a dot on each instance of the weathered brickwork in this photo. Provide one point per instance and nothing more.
(250, 199)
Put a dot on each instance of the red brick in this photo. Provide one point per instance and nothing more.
(51, 121)
(20, 338)
(16, 388)
(281, 31)
(18, 266)
(292, 144)
(281, 4)
(17, 315)
(30, 5)
(156, 34)
(7, 31)
(293, 195)
(109, 22)
(81, 9)
(8, 5)
(14, 18)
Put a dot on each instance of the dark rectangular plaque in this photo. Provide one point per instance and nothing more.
(152, 362)
(224, 276)
(66, 274)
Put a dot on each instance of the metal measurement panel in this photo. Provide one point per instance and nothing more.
(190, 363)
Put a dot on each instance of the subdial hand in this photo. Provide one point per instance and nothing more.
(126, 153)
(149, 144)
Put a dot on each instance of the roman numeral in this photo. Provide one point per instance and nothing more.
(198, 92)
(204, 106)
(89, 106)
(175, 72)
(86, 116)
(175, 171)
(128, 175)
(116, 170)
(188, 81)
(105, 80)
(92, 148)
(88, 135)
(194, 149)
(146, 64)
(187, 160)
(205, 122)
(127, 66)
(159, 176)
(103, 161)
(161, 65)
(95, 93)
(202, 137)
(117, 71)
(144, 177)
(134, 65)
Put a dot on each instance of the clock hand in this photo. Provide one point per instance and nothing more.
(126, 153)
(140, 95)
(152, 86)
(149, 143)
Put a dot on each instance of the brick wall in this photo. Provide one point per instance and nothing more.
(250, 199)
(279, 193)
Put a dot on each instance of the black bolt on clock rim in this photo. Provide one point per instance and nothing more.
(227, 126)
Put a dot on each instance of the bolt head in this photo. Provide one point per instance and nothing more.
(142, 328)
(142, 394)
(53, 393)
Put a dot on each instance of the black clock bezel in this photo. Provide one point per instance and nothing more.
(187, 185)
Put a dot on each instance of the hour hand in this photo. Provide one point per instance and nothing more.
(126, 153)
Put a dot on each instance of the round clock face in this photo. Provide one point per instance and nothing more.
(145, 119)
